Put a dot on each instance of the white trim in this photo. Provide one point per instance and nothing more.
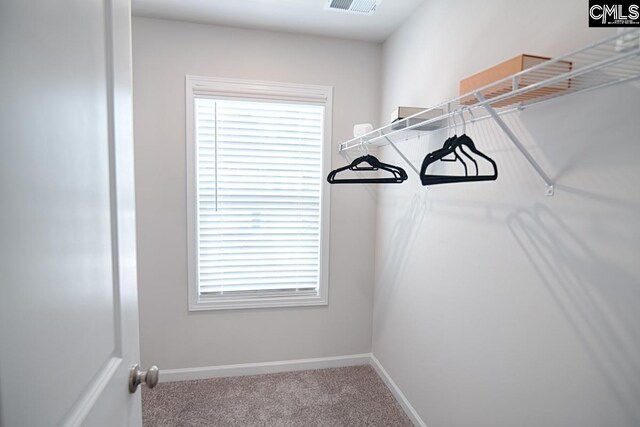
(262, 300)
(397, 393)
(196, 86)
(325, 197)
(168, 375)
(258, 89)
(191, 177)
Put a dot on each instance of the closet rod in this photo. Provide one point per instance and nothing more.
(613, 60)
(610, 61)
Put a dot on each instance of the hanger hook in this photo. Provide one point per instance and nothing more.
(464, 123)
(455, 123)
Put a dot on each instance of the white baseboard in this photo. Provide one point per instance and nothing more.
(395, 390)
(168, 375)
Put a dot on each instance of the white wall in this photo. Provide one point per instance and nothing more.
(163, 53)
(495, 305)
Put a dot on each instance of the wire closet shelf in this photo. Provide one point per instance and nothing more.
(610, 61)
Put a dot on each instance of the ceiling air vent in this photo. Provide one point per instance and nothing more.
(361, 7)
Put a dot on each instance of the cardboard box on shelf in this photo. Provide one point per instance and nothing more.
(509, 68)
(399, 115)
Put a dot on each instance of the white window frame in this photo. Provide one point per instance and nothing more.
(252, 90)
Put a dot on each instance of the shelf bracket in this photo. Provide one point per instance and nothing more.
(548, 182)
(403, 156)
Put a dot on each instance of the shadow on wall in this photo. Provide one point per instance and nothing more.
(585, 130)
(588, 143)
(402, 238)
(591, 152)
(599, 299)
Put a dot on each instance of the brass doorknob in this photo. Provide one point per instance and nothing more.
(148, 378)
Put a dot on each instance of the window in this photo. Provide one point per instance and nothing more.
(257, 198)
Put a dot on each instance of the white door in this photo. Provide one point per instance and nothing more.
(68, 301)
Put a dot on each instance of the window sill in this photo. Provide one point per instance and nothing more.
(257, 300)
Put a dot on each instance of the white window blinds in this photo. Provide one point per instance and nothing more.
(259, 177)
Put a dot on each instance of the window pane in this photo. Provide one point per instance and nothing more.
(259, 179)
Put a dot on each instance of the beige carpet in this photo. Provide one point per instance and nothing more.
(340, 397)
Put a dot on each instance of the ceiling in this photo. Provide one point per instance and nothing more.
(297, 16)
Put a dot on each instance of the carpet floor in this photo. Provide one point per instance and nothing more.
(337, 397)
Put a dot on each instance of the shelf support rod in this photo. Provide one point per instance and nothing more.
(517, 143)
(403, 156)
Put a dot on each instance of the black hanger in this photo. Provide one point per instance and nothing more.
(450, 143)
(447, 144)
(456, 158)
(461, 143)
(399, 175)
(468, 156)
